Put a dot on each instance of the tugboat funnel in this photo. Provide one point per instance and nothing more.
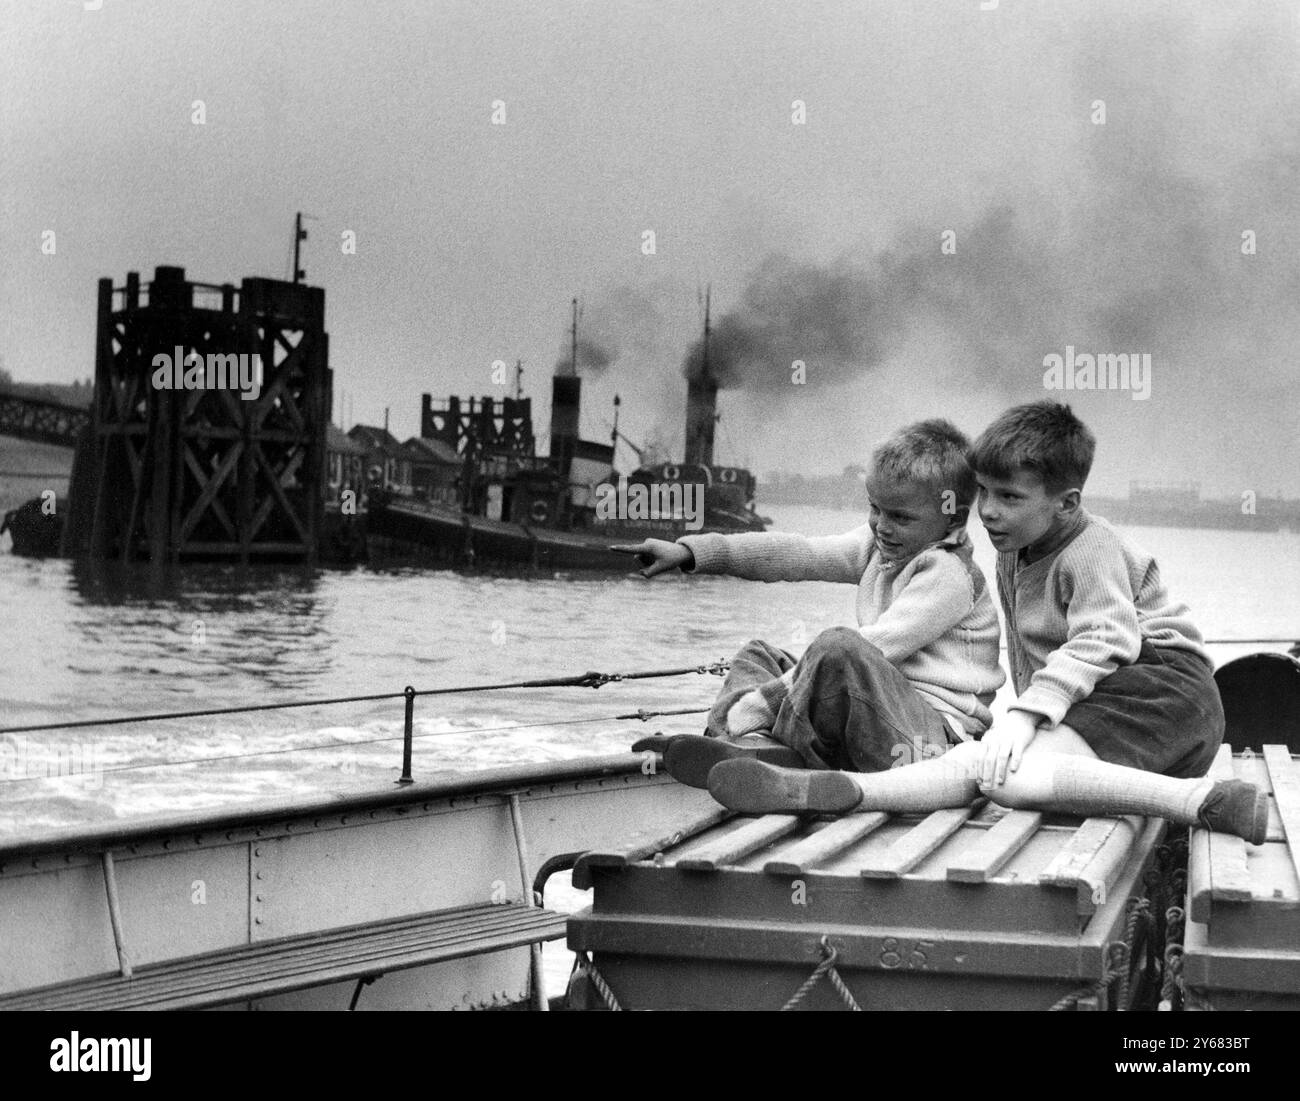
(701, 417)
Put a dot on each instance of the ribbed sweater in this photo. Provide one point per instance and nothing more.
(1076, 615)
(931, 615)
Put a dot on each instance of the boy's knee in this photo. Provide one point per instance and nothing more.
(841, 642)
(964, 758)
(763, 654)
(1008, 795)
(966, 754)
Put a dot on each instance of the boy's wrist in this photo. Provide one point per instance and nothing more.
(1040, 700)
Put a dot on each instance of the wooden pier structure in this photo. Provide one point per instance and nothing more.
(172, 475)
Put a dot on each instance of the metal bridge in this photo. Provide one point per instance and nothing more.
(46, 421)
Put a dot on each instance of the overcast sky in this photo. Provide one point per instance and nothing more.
(1117, 236)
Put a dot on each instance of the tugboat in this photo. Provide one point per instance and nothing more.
(560, 511)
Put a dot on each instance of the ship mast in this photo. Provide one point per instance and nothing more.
(702, 399)
(573, 359)
(613, 437)
(708, 292)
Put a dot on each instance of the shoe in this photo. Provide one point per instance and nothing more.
(654, 743)
(689, 757)
(752, 787)
(1236, 807)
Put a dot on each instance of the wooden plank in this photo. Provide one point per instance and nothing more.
(645, 844)
(1200, 889)
(1097, 878)
(1284, 775)
(736, 845)
(1216, 866)
(1229, 877)
(1222, 768)
(918, 843)
(1067, 867)
(824, 843)
(295, 963)
(1001, 841)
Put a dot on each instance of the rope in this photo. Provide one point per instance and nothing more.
(1252, 642)
(1239, 642)
(602, 987)
(581, 680)
(1118, 953)
(825, 968)
(1172, 990)
(645, 716)
(1174, 993)
(1139, 912)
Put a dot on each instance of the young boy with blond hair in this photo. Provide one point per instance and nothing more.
(916, 676)
(1117, 711)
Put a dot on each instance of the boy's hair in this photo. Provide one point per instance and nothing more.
(932, 452)
(1044, 437)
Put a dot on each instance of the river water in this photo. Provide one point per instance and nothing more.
(77, 644)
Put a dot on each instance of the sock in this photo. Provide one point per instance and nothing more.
(921, 787)
(757, 709)
(749, 713)
(1084, 785)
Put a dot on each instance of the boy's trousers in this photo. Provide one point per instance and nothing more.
(849, 707)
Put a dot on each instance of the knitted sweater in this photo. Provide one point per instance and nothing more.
(1076, 615)
(931, 615)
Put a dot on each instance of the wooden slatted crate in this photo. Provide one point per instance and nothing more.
(977, 908)
(1242, 943)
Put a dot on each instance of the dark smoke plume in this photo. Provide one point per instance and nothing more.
(592, 357)
(1133, 243)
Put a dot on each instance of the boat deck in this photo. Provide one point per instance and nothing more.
(422, 894)
(976, 908)
(1242, 942)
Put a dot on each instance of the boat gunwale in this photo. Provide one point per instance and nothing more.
(98, 836)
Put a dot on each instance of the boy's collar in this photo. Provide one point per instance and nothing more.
(1049, 546)
(957, 537)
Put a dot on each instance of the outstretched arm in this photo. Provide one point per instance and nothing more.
(783, 556)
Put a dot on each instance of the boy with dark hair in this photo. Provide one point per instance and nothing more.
(917, 675)
(1117, 711)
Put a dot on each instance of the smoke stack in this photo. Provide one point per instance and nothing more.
(701, 416)
(701, 401)
(566, 395)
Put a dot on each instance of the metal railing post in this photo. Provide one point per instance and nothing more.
(115, 913)
(406, 777)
